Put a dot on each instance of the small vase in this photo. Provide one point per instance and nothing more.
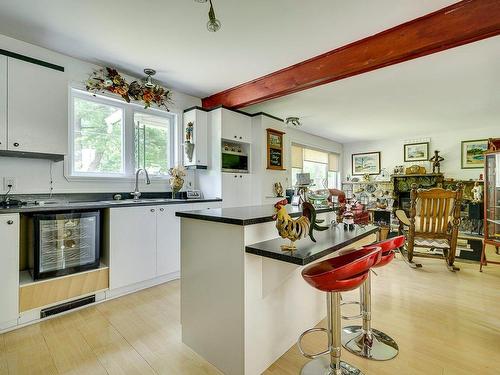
(176, 185)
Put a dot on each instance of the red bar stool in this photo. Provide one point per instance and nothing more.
(365, 341)
(333, 276)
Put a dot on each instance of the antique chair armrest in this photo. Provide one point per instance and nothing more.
(401, 215)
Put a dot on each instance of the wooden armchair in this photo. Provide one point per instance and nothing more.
(435, 226)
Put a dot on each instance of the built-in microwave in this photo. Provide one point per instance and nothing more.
(234, 158)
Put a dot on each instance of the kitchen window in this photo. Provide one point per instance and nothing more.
(109, 138)
(322, 166)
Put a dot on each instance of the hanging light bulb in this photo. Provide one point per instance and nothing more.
(213, 23)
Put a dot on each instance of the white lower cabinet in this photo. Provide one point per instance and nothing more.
(9, 270)
(168, 241)
(132, 245)
(236, 189)
(145, 242)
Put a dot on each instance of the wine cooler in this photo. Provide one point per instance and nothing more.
(63, 243)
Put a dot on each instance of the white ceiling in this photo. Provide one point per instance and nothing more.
(448, 91)
(257, 36)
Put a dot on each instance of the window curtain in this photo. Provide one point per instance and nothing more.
(333, 162)
(297, 157)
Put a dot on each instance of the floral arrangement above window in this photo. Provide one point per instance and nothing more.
(108, 79)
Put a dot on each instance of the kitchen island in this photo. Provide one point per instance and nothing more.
(243, 300)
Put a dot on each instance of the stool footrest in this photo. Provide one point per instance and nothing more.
(352, 317)
(299, 343)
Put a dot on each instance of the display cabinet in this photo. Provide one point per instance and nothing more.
(491, 204)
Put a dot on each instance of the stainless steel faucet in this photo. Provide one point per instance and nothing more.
(136, 192)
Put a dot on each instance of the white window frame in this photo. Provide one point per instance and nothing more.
(128, 134)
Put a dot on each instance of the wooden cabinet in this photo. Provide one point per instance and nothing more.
(236, 190)
(236, 126)
(195, 134)
(37, 100)
(9, 270)
(132, 245)
(3, 102)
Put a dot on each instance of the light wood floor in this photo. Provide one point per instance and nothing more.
(445, 323)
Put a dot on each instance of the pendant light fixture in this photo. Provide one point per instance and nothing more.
(213, 23)
(293, 121)
(148, 82)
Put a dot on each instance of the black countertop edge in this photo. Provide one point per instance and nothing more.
(276, 253)
(230, 219)
(72, 206)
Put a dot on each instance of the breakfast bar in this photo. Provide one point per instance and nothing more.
(243, 300)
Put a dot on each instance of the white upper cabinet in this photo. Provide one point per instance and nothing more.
(236, 126)
(3, 102)
(37, 99)
(195, 123)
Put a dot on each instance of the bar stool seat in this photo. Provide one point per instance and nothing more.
(340, 274)
(363, 340)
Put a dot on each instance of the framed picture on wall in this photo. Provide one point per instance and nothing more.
(275, 149)
(416, 151)
(473, 153)
(368, 162)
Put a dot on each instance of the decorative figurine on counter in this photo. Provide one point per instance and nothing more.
(436, 162)
(295, 229)
(278, 189)
(176, 179)
(348, 216)
(477, 192)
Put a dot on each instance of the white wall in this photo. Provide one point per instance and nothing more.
(33, 175)
(446, 140)
(265, 177)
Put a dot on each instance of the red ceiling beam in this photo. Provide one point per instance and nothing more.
(461, 23)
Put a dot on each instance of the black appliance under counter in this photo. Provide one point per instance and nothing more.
(308, 251)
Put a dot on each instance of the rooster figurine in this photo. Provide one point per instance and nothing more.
(295, 229)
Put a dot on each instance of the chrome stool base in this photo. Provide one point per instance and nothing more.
(321, 366)
(381, 347)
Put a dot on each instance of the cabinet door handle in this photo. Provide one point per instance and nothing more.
(16, 144)
(240, 176)
(10, 222)
(235, 176)
(152, 210)
(162, 209)
(240, 137)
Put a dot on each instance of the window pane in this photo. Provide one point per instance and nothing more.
(152, 143)
(98, 141)
(333, 180)
(318, 172)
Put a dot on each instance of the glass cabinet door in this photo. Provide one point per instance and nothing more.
(66, 242)
(492, 203)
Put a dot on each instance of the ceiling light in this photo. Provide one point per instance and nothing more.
(293, 121)
(149, 78)
(213, 23)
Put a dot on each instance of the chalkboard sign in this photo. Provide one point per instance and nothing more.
(275, 157)
(275, 149)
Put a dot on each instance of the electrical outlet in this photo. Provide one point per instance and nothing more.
(9, 181)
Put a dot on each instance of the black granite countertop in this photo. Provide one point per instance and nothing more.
(243, 215)
(94, 205)
(308, 251)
